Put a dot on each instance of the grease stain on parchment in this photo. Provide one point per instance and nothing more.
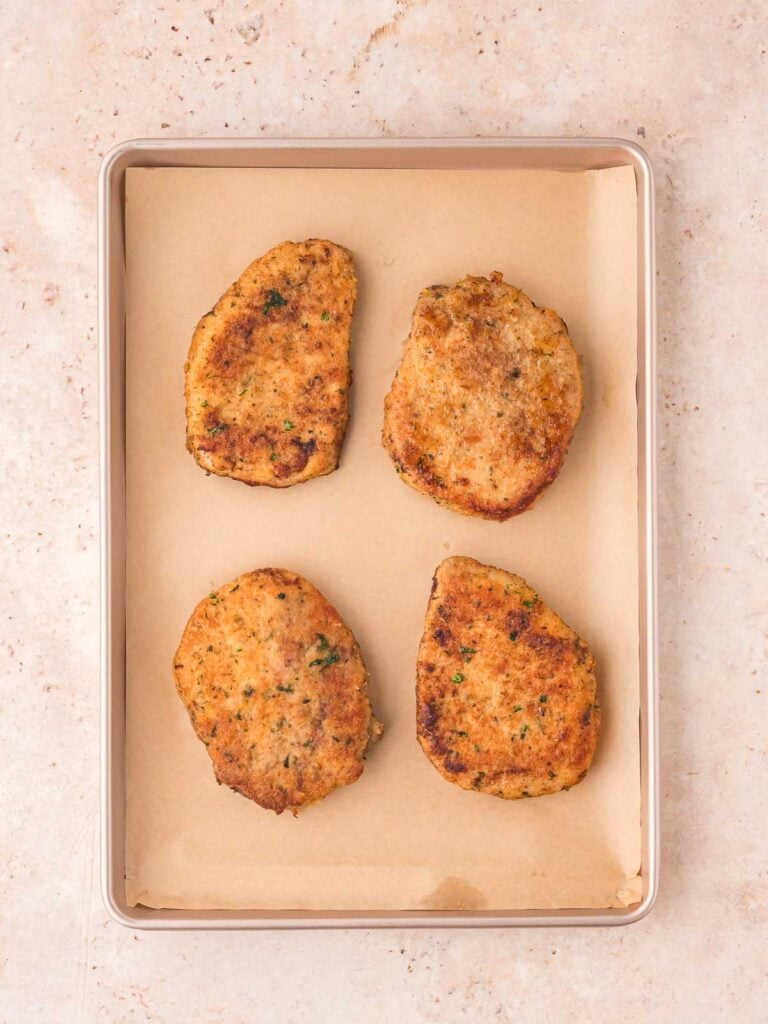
(454, 894)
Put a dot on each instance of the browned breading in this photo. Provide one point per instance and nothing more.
(267, 376)
(276, 688)
(505, 691)
(486, 399)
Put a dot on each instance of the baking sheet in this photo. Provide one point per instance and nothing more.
(401, 837)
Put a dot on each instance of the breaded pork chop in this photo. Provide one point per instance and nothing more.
(267, 376)
(276, 688)
(505, 691)
(486, 399)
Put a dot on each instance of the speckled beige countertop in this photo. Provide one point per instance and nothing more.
(686, 80)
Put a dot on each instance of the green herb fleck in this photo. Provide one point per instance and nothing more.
(213, 431)
(287, 425)
(477, 747)
(543, 699)
(515, 373)
(457, 678)
(273, 299)
(325, 315)
(551, 775)
(530, 604)
(284, 689)
(286, 760)
(518, 707)
(330, 659)
(306, 700)
(273, 456)
(213, 597)
(281, 596)
(209, 647)
(248, 691)
(205, 404)
(523, 729)
(239, 716)
(458, 732)
(478, 778)
(468, 650)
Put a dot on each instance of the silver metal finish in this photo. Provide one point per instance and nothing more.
(544, 154)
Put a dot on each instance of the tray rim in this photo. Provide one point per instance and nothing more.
(573, 154)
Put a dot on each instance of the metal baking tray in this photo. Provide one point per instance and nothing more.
(529, 153)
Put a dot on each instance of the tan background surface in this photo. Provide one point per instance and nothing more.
(400, 838)
(684, 79)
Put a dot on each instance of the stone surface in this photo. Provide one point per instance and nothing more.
(688, 81)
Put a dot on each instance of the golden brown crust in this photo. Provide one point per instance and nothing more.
(276, 688)
(267, 376)
(486, 399)
(505, 691)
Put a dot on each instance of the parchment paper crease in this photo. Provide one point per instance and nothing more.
(401, 837)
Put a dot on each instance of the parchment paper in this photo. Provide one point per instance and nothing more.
(401, 837)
